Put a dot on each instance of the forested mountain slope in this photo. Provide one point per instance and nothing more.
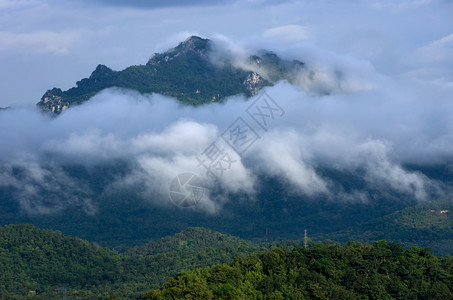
(356, 271)
(39, 263)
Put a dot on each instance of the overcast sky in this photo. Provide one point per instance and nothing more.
(47, 43)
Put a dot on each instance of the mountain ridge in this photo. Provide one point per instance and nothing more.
(323, 271)
(184, 72)
(36, 263)
(427, 224)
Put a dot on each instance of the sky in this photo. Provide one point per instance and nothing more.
(46, 43)
(390, 107)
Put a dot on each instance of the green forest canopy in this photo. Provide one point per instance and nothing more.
(37, 263)
(356, 271)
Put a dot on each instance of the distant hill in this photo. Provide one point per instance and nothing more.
(427, 224)
(192, 248)
(194, 239)
(38, 263)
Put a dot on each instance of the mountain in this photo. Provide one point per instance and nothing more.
(194, 238)
(356, 271)
(191, 248)
(40, 263)
(427, 224)
(36, 262)
(275, 68)
(186, 72)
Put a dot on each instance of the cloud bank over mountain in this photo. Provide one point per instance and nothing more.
(367, 123)
(379, 98)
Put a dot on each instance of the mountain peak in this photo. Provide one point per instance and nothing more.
(194, 43)
(101, 70)
(184, 72)
(193, 46)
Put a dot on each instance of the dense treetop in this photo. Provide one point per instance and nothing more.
(356, 271)
(39, 264)
(36, 262)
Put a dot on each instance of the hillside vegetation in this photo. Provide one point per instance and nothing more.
(199, 263)
(426, 225)
(356, 271)
(38, 263)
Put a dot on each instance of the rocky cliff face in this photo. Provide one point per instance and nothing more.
(274, 68)
(52, 101)
(184, 72)
(253, 83)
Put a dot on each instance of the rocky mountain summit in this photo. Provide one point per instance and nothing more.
(186, 72)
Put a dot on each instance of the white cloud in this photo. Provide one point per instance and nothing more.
(440, 50)
(288, 33)
(45, 190)
(380, 169)
(363, 130)
(153, 174)
(433, 61)
(184, 136)
(283, 154)
(40, 41)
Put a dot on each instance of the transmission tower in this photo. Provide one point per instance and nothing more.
(305, 239)
(63, 289)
